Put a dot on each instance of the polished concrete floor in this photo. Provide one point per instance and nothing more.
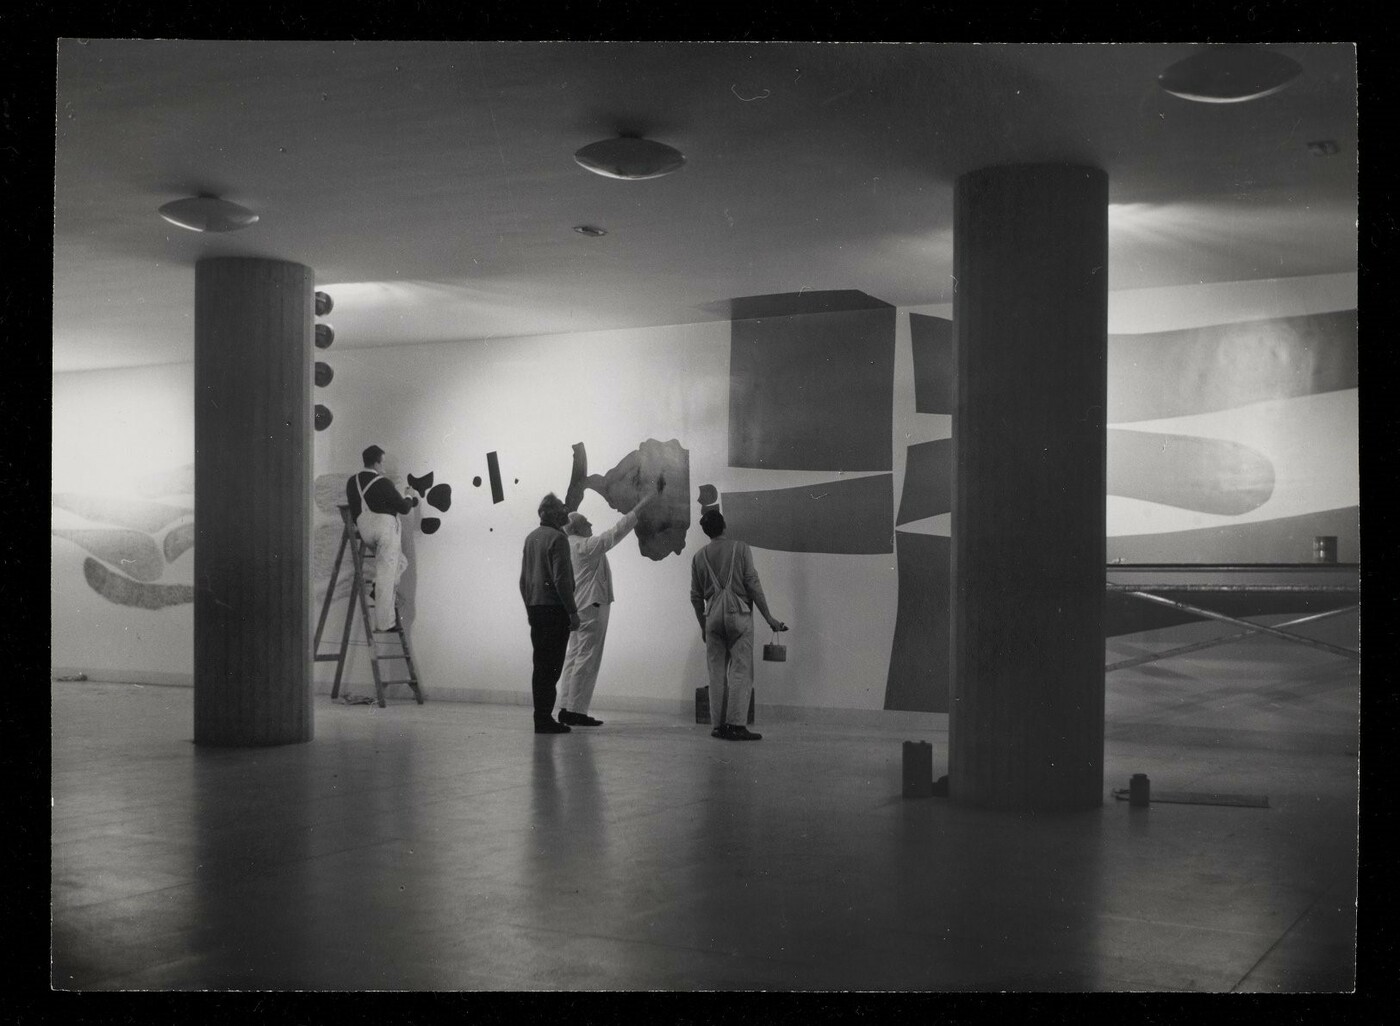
(446, 847)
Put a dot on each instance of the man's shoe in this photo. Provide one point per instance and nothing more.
(721, 732)
(737, 733)
(550, 727)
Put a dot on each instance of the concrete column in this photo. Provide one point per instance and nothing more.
(252, 487)
(1030, 328)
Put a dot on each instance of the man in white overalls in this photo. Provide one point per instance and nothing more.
(375, 505)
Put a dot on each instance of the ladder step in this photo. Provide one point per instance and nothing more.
(381, 658)
(386, 683)
(332, 657)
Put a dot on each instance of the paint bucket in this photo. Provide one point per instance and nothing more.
(1325, 548)
(774, 653)
(918, 769)
(1139, 790)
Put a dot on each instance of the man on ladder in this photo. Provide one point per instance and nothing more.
(375, 506)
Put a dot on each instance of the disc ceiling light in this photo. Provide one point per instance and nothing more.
(1229, 74)
(207, 214)
(630, 158)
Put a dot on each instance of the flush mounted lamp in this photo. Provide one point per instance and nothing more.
(630, 158)
(1229, 74)
(208, 214)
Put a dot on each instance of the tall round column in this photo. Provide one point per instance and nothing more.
(1030, 326)
(253, 451)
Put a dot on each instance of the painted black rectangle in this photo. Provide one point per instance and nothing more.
(931, 339)
(493, 467)
(812, 391)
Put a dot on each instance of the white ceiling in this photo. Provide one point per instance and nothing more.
(431, 186)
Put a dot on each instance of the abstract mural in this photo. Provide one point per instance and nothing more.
(132, 539)
(1173, 377)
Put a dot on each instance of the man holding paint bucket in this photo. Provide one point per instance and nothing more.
(723, 587)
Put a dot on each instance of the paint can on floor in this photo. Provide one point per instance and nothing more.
(918, 769)
(1139, 790)
(1325, 548)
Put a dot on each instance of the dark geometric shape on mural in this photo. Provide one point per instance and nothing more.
(421, 484)
(662, 526)
(429, 524)
(137, 514)
(440, 497)
(125, 592)
(476, 481)
(709, 498)
(325, 335)
(323, 417)
(578, 476)
(1280, 540)
(928, 481)
(1208, 475)
(851, 516)
(932, 341)
(324, 304)
(1164, 374)
(134, 552)
(177, 541)
(493, 468)
(811, 382)
(324, 374)
(918, 677)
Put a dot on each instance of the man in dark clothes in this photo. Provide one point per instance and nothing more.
(375, 505)
(547, 587)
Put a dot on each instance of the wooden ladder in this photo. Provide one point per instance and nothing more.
(360, 596)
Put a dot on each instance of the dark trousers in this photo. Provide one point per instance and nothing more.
(549, 634)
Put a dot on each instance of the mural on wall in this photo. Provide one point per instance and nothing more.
(135, 538)
(662, 526)
(1156, 376)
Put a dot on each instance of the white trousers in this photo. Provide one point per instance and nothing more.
(382, 530)
(583, 657)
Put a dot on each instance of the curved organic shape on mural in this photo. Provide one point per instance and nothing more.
(134, 552)
(177, 541)
(125, 592)
(662, 526)
(1208, 475)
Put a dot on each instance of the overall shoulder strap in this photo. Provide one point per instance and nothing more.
(363, 501)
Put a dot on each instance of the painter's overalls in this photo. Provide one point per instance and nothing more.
(728, 649)
(382, 530)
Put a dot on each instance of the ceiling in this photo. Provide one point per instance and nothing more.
(432, 189)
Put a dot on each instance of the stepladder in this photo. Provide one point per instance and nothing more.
(385, 646)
